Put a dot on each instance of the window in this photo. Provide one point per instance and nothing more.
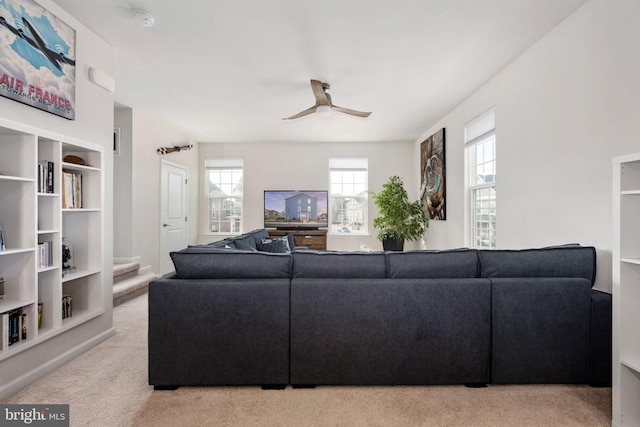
(348, 201)
(223, 186)
(480, 140)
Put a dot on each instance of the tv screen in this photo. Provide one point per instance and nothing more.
(295, 209)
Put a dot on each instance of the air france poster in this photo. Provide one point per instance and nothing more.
(37, 58)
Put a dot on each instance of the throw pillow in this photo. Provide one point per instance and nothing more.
(292, 244)
(277, 245)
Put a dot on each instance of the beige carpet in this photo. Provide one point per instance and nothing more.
(107, 386)
(380, 406)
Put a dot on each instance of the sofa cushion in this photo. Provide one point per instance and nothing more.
(217, 244)
(198, 263)
(309, 264)
(292, 243)
(456, 263)
(258, 234)
(569, 261)
(278, 245)
(245, 242)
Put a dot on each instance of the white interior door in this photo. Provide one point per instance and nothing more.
(173, 230)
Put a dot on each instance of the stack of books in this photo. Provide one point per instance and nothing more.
(14, 328)
(71, 190)
(66, 306)
(45, 177)
(45, 254)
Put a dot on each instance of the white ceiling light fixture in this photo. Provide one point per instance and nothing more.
(143, 17)
(323, 110)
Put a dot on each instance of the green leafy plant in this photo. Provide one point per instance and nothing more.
(398, 217)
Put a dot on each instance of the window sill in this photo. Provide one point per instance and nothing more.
(358, 235)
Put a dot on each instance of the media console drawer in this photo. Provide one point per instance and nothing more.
(312, 239)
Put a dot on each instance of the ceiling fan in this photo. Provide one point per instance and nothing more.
(323, 105)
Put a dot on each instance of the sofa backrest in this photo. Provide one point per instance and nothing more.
(344, 265)
(455, 263)
(216, 263)
(568, 261)
(213, 261)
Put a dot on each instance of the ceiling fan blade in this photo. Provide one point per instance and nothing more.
(306, 112)
(352, 112)
(318, 92)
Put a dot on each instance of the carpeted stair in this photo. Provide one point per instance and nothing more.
(128, 283)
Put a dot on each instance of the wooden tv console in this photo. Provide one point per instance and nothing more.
(312, 239)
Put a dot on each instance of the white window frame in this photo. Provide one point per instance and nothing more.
(231, 192)
(480, 149)
(354, 176)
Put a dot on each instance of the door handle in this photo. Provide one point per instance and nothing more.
(165, 225)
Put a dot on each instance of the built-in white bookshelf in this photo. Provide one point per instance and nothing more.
(34, 223)
(626, 290)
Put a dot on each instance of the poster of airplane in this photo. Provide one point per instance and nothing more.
(37, 58)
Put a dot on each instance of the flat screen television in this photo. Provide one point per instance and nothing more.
(287, 209)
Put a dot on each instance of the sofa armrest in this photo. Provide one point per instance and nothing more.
(218, 332)
(601, 324)
(541, 330)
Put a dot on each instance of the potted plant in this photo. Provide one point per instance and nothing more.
(398, 218)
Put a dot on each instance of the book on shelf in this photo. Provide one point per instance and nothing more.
(71, 190)
(45, 177)
(14, 328)
(4, 343)
(45, 254)
(2, 241)
(40, 308)
(67, 306)
(1, 287)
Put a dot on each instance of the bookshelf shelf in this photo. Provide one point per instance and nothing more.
(15, 251)
(15, 178)
(79, 274)
(12, 305)
(79, 210)
(75, 167)
(632, 364)
(48, 231)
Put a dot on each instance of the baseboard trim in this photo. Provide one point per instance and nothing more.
(8, 390)
(144, 270)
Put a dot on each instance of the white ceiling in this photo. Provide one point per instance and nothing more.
(229, 71)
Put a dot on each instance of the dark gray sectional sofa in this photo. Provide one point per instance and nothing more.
(234, 315)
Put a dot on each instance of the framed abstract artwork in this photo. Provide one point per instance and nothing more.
(37, 58)
(432, 181)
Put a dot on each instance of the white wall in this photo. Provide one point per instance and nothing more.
(148, 134)
(563, 110)
(94, 124)
(123, 189)
(305, 166)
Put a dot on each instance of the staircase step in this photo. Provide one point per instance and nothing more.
(132, 287)
(125, 271)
